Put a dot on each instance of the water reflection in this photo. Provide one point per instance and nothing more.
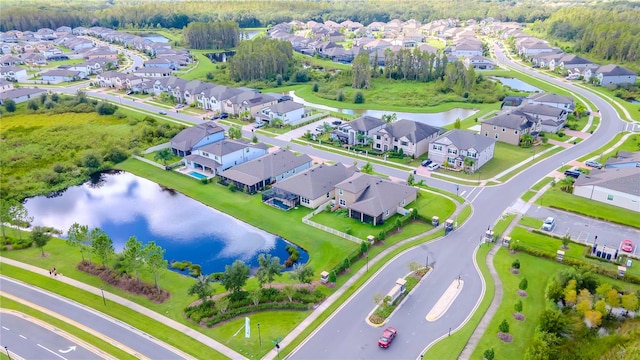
(434, 119)
(517, 84)
(125, 205)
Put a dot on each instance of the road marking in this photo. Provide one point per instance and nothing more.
(475, 197)
(6, 328)
(22, 336)
(53, 352)
(462, 193)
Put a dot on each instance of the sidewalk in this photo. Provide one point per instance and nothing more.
(138, 308)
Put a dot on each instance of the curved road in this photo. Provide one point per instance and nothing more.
(142, 343)
(347, 332)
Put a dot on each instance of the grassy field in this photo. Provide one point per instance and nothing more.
(528, 195)
(540, 184)
(530, 222)
(558, 199)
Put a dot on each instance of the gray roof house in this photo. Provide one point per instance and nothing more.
(255, 175)
(366, 126)
(510, 126)
(215, 157)
(310, 188)
(20, 95)
(553, 118)
(372, 199)
(624, 159)
(455, 146)
(617, 187)
(410, 136)
(559, 101)
(615, 75)
(196, 136)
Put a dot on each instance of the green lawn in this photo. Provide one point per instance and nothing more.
(540, 184)
(151, 156)
(558, 199)
(531, 222)
(528, 195)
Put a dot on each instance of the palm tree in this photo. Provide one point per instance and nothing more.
(468, 164)
(268, 268)
(566, 184)
(163, 155)
(526, 140)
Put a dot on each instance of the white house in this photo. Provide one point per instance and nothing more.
(21, 94)
(615, 75)
(455, 146)
(60, 75)
(555, 100)
(290, 112)
(617, 187)
(13, 73)
(221, 155)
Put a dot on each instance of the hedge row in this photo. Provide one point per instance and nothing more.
(260, 307)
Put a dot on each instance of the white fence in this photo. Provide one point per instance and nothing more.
(333, 231)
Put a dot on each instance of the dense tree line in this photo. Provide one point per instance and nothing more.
(612, 35)
(215, 35)
(261, 59)
(408, 64)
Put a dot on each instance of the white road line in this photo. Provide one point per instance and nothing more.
(22, 336)
(53, 352)
(471, 192)
(6, 328)
(478, 194)
(462, 193)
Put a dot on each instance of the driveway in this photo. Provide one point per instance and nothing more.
(584, 229)
(299, 132)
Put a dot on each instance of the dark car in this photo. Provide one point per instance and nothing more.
(387, 337)
(224, 115)
(215, 117)
(427, 162)
(337, 122)
(573, 173)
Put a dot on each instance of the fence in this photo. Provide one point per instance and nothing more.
(321, 208)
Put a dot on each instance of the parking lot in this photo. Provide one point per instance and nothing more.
(584, 229)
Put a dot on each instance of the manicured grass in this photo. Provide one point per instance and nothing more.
(321, 63)
(151, 156)
(61, 325)
(528, 195)
(603, 148)
(609, 95)
(513, 173)
(540, 184)
(558, 199)
(530, 222)
(464, 214)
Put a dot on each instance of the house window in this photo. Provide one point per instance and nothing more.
(340, 192)
(452, 151)
(327, 195)
(386, 212)
(437, 147)
(404, 201)
(343, 202)
(304, 200)
(377, 146)
(610, 197)
(515, 132)
(404, 143)
(378, 137)
(486, 133)
(494, 127)
(246, 150)
(496, 136)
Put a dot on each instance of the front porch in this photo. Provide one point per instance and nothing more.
(364, 218)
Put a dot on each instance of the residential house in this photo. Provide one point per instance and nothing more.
(572, 62)
(214, 98)
(372, 199)
(410, 137)
(310, 188)
(196, 136)
(153, 72)
(118, 80)
(101, 52)
(162, 62)
(21, 94)
(552, 118)
(615, 75)
(555, 100)
(5, 85)
(213, 158)
(510, 127)
(479, 63)
(249, 101)
(290, 112)
(531, 46)
(615, 186)
(10, 60)
(256, 174)
(455, 146)
(34, 59)
(511, 102)
(13, 73)
(624, 159)
(358, 131)
(467, 50)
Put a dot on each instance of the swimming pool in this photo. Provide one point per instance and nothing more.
(197, 175)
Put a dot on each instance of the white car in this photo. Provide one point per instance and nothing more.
(433, 166)
(549, 224)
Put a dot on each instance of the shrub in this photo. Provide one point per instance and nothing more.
(340, 96)
(105, 108)
(518, 306)
(332, 277)
(10, 105)
(489, 354)
(515, 264)
(504, 326)
(523, 284)
(209, 75)
(358, 98)
(315, 87)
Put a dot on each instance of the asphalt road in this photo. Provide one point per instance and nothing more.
(31, 341)
(115, 329)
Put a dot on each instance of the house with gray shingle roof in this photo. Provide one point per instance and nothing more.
(618, 187)
(410, 136)
(615, 75)
(455, 146)
(552, 118)
(358, 131)
(510, 126)
(290, 112)
(559, 101)
(624, 159)
(216, 157)
(255, 175)
(372, 199)
(20, 95)
(310, 188)
(196, 136)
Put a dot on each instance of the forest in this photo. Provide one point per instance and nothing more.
(214, 35)
(261, 59)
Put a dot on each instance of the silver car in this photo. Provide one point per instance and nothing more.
(593, 164)
(549, 224)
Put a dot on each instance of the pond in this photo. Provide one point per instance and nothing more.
(633, 101)
(155, 38)
(220, 56)
(124, 205)
(517, 84)
(249, 34)
(434, 119)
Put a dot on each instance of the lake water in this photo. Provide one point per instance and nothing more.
(517, 84)
(155, 38)
(249, 34)
(124, 205)
(633, 101)
(434, 119)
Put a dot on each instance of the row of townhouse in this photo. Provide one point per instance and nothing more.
(18, 95)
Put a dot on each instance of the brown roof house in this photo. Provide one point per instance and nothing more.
(618, 187)
(257, 174)
(310, 188)
(372, 199)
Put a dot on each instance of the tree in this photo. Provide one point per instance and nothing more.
(235, 132)
(367, 168)
(235, 276)
(504, 326)
(40, 237)
(594, 318)
(163, 155)
(630, 302)
(523, 284)
(105, 108)
(553, 322)
(255, 296)
(289, 291)
(154, 260)
(457, 124)
(410, 179)
(613, 298)
(346, 264)
(223, 304)
(468, 164)
(515, 264)
(583, 306)
(78, 235)
(132, 257)
(302, 273)
(566, 184)
(101, 245)
(332, 276)
(603, 289)
(10, 105)
(358, 98)
(202, 287)
(364, 247)
(6, 215)
(33, 105)
(489, 354)
(570, 294)
(377, 298)
(601, 307)
(543, 346)
(565, 240)
(340, 96)
(518, 306)
(389, 118)
(414, 266)
(361, 72)
(268, 268)
(526, 140)
(315, 87)
(584, 294)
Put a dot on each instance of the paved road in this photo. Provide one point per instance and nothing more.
(350, 337)
(116, 330)
(31, 341)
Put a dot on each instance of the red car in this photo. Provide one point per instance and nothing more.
(627, 246)
(387, 337)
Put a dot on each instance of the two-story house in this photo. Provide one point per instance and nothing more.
(410, 137)
(290, 112)
(555, 100)
(510, 127)
(196, 136)
(216, 157)
(358, 131)
(552, 118)
(462, 150)
(615, 75)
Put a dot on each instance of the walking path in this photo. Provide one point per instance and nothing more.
(140, 309)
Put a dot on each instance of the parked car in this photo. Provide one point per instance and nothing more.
(549, 224)
(224, 115)
(433, 166)
(427, 162)
(627, 246)
(258, 125)
(594, 164)
(162, 112)
(215, 117)
(573, 173)
(336, 122)
(387, 337)
(179, 106)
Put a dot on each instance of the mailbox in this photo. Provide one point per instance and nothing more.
(448, 226)
(435, 221)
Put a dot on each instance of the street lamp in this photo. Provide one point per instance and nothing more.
(367, 261)
(103, 299)
(7, 350)
(259, 337)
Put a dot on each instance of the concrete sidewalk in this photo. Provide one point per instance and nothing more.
(138, 308)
